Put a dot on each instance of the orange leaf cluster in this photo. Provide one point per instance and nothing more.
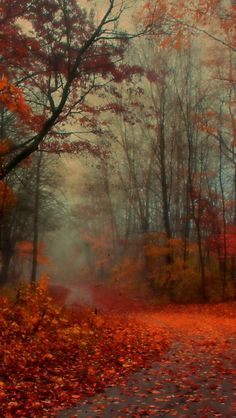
(11, 97)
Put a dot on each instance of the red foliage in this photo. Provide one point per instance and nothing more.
(89, 351)
(41, 53)
(75, 147)
(151, 75)
(40, 374)
(224, 245)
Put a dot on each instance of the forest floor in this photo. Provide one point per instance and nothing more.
(102, 352)
(196, 377)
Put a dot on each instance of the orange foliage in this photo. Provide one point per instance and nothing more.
(11, 97)
(25, 249)
(128, 270)
(169, 272)
(52, 358)
(176, 20)
(206, 128)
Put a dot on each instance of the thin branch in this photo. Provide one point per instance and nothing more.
(205, 32)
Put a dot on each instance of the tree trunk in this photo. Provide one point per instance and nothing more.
(36, 221)
(6, 260)
(223, 262)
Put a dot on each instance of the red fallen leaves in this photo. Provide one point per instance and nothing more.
(51, 358)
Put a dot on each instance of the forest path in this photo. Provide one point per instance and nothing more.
(196, 378)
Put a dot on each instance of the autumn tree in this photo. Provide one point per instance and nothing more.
(68, 56)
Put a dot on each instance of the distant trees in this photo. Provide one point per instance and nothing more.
(32, 210)
(172, 172)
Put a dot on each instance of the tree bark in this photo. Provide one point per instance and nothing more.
(36, 220)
